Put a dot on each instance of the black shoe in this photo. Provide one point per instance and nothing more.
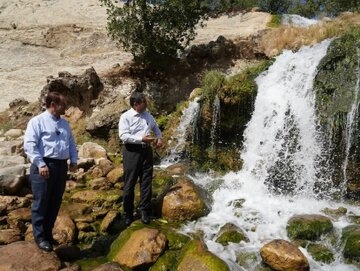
(45, 245)
(128, 220)
(145, 217)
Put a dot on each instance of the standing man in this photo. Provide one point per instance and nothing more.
(48, 144)
(135, 126)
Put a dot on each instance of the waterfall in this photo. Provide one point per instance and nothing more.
(180, 134)
(215, 122)
(351, 127)
(281, 144)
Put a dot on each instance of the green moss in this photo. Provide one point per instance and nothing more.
(341, 211)
(275, 21)
(195, 255)
(308, 227)
(176, 240)
(91, 263)
(162, 121)
(321, 253)
(230, 233)
(351, 240)
(166, 262)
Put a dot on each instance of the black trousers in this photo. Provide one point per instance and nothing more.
(138, 164)
(47, 197)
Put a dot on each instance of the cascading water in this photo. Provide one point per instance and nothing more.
(282, 145)
(215, 121)
(189, 115)
(351, 126)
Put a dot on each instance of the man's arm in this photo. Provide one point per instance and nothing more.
(155, 128)
(73, 152)
(31, 140)
(124, 132)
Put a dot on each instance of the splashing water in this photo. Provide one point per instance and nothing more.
(215, 121)
(297, 20)
(180, 134)
(284, 107)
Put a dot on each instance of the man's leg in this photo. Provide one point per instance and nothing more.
(131, 161)
(146, 185)
(59, 171)
(39, 186)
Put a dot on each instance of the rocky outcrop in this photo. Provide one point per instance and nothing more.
(79, 91)
(12, 179)
(92, 150)
(184, 202)
(25, 255)
(282, 255)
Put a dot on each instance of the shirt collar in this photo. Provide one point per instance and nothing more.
(48, 114)
(133, 112)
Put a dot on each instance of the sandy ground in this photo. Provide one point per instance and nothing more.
(39, 38)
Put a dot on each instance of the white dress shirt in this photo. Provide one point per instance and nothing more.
(49, 136)
(133, 126)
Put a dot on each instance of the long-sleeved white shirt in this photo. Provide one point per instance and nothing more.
(48, 136)
(133, 126)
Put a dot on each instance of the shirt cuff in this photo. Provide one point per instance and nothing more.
(138, 139)
(40, 164)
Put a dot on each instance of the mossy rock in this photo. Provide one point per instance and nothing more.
(98, 197)
(336, 213)
(195, 257)
(351, 241)
(321, 253)
(166, 262)
(354, 219)
(176, 240)
(247, 260)
(230, 233)
(308, 227)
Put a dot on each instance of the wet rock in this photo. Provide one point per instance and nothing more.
(109, 267)
(335, 213)
(67, 253)
(177, 169)
(183, 202)
(31, 258)
(282, 255)
(9, 236)
(195, 256)
(231, 233)
(12, 179)
(167, 261)
(308, 227)
(139, 248)
(247, 260)
(78, 90)
(92, 150)
(351, 241)
(321, 253)
(77, 209)
(108, 220)
(82, 226)
(114, 175)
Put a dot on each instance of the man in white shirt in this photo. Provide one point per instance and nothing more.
(135, 128)
(48, 143)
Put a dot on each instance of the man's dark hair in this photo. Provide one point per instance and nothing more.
(136, 97)
(54, 97)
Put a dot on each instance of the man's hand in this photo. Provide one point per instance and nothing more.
(148, 139)
(73, 168)
(44, 172)
(159, 143)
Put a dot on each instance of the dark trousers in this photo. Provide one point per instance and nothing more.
(47, 197)
(138, 164)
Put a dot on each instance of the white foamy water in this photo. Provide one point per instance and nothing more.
(180, 134)
(297, 20)
(284, 107)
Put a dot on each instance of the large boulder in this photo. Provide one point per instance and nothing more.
(11, 147)
(283, 256)
(92, 150)
(308, 227)
(7, 161)
(184, 202)
(12, 179)
(351, 241)
(195, 257)
(13, 133)
(139, 248)
(106, 118)
(25, 255)
(79, 91)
